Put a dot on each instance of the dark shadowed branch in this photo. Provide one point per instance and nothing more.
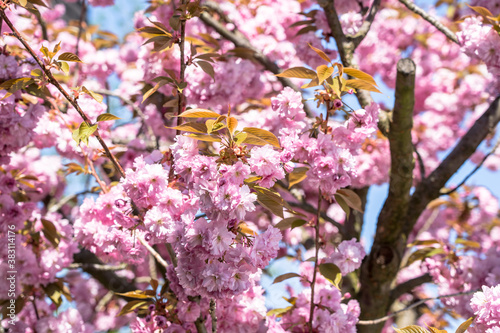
(108, 278)
(408, 286)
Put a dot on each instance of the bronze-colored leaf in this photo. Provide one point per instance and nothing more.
(465, 325)
(363, 85)
(68, 56)
(199, 113)
(351, 198)
(297, 175)
(264, 135)
(320, 53)
(193, 127)
(107, 117)
(360, 75)
(298, 72)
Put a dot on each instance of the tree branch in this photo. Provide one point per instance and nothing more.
(473, 171)
(429, 18)
(365, 27)
(429, 188)
(108, 278)
(239, 40)
(382, 264)
(414, 305)
(408, 286)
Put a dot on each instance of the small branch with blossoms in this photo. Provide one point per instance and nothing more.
(431, 19)
(53, 80)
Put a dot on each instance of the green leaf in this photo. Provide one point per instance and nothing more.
(363, 85)
(320, 53)
(132, 305)
(263, 135)
(360, 75)
(411, 329)
(332, 273)
(199, 113)
(467, 243)
(324, 72)
(297, 175)
(68, 56)
(298, 72)
(284, 277)
(85, 131)
(269, 199)
(193, 127)
(37, 72)
(240, 137)
(288, 222)
(270, 204)
(64, 67)
(465, 325)
(92, 94)
(106, 117)
(351, 198)
(423, 253)
(345, 207)
(298, 223)
(46, 52)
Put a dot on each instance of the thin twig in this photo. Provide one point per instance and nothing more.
(431, 19)
(153, 252)
(316, 244)
(103, 186)
(43, 25)
(421, 165)
(473, 171)
(414, 305)
(56, 83)
(134, 107)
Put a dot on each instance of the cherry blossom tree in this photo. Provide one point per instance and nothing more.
(223, 137)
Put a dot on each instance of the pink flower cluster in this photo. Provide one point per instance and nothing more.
(486, 307)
